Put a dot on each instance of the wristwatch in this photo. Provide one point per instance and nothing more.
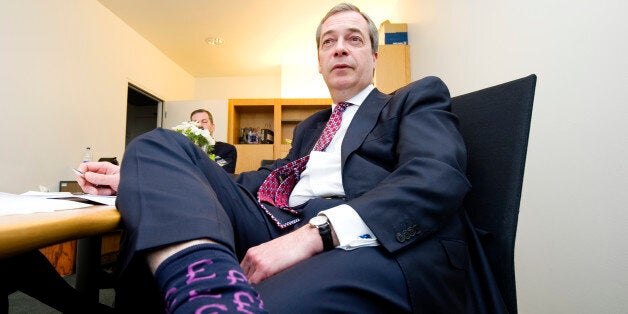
(322, 224)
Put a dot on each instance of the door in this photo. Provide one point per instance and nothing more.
(143, 112)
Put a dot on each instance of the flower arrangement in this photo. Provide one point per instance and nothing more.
(198, 136)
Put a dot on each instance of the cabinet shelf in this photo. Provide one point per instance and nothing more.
(281, 115)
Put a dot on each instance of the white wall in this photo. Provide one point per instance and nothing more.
(571, 254)
(303, 81)
(238, 87)
(65, 67)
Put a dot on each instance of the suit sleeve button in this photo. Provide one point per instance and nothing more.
(407, 234)
(400, 237)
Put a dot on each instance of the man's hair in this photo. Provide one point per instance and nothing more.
(211, 119)
(373, 35)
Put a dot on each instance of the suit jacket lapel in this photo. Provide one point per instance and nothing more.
(314, 133)
(363, 122)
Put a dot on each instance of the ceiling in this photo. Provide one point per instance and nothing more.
(259, 35)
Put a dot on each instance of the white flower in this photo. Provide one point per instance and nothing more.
(198, 136)
(210, 139)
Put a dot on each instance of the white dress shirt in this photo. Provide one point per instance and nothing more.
(322, 177)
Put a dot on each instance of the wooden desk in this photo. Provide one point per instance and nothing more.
(22, 233)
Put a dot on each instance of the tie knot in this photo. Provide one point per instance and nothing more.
(342, 106)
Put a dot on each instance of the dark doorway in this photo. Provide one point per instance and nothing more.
(142, 112)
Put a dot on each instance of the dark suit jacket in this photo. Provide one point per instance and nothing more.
(228, 154)
(403, 171)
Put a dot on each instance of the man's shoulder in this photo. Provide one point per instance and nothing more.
(223, 145)
(427, 83)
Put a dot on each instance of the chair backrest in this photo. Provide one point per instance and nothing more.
(495, 124)
(266, 162)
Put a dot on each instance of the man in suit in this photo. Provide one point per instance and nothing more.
(373, 225)
(226, 154)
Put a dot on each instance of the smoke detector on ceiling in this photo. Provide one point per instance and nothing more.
(214, 41)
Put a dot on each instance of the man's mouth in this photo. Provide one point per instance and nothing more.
(340, 67)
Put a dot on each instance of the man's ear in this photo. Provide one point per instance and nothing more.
(320, 69)
(374, 63)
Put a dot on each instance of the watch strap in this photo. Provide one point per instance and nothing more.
(328, 241)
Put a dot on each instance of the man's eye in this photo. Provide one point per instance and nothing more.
(328, 42)
(356, 40)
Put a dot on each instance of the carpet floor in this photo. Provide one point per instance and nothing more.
(20, 303)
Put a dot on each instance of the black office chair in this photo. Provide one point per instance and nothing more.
(266, 162)
(495, 124)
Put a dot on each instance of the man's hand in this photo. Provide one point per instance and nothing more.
(100, 178)
(272, 257)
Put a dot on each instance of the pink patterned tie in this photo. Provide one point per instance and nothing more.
(280, 182)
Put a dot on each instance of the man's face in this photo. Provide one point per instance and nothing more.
(345, 57)
(203, 119)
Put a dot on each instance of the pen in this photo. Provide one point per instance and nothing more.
(82, 175)
(78, 173)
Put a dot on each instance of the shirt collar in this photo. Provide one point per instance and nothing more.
(358, 99)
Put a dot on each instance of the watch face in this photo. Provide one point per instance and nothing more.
(317, 221)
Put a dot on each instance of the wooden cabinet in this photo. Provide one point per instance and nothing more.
(250, 156)
(62, 256)
(281, 115)
(393, 67)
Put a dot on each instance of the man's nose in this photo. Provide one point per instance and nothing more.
(341, 48)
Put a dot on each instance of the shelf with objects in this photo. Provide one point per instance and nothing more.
(262, 128)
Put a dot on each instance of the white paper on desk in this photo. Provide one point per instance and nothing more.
(11, 204)
(100, 199)
(47, 194)
(105, 200)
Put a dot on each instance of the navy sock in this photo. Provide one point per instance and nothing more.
(206, 278)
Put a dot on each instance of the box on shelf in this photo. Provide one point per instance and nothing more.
(393, 33)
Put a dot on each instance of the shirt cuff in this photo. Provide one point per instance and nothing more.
(350, 229)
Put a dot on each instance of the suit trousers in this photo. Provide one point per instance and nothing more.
(171, 192)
